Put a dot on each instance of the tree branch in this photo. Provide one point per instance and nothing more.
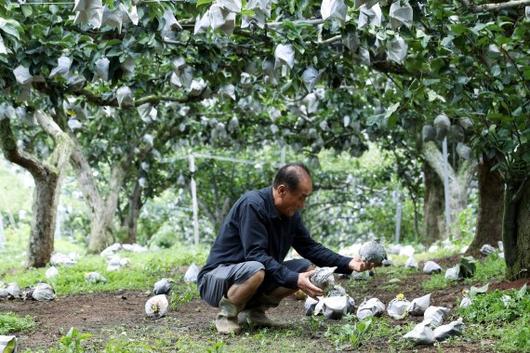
(434, 157)
(495, 6)
(13, 154)
(113, 102)
(63, 143)
(48, 124)
(309, 21)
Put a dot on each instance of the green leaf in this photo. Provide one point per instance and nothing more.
(458, 28)
(522, 292)
(203, 2)
(10, 27)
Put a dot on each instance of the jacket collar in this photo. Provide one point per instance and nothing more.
(272, 211)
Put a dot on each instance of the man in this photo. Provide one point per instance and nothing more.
(245, 273)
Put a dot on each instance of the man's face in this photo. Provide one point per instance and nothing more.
(294, 200)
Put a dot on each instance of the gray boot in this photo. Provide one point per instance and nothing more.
(254, 313)
(255, 317)
(226, 321)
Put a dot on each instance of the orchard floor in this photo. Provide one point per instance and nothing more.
(118, 318)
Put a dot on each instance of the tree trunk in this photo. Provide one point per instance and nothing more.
(45, 198)
(102, 210)
(2, 236)
(490, 208)
(101, 224)
(131, 221)
(47, 177)
(516, 230)
(433, 208)
(458, 183)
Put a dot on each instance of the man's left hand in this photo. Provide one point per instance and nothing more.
(358, 265)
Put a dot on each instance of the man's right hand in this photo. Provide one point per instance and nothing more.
(306, 286)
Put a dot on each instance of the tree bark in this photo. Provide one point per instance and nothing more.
(458, 182)
(516, 230)
(101, 225)
(433, 207)
(490, 208)
(47, 177)
(102, 209)
(131, 221)
(44, 209)
(2, 236)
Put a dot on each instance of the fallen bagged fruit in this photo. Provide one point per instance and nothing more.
(309, 306)
(370, 307)
(431, 267)
(398, 307)
(373, 252)
(419, 305)
(43, 292)
(191, 273)
(156, 306)
(323, 277)
(453, 328)
(8, 344)
(95, 277)
(434, 315)
(162, 287)
(421, 334)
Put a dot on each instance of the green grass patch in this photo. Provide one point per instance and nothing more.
(502, 316)
(13, 255)
(491, 268)
(143, 271)
(10, 323)
(354, 334)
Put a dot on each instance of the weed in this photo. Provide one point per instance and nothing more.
(491, 268)
(183, 294)
(497, 307)
(352, 334)
(10, 323)
(72, 342)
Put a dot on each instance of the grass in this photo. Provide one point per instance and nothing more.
(167, 336)
(354, 334)
(501, 316)
(143, 271)
(11, 323)
(13, 255)
(491, 268)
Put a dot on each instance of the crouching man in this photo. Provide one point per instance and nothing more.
(245, 273)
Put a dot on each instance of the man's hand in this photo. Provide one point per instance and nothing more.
(358, 265)
(306, 286)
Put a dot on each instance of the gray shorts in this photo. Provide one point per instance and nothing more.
(215, 284)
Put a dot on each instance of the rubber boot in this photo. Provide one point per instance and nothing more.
(254, 313)
(226, 321)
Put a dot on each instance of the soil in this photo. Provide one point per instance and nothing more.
(98, 313)
(504, 285)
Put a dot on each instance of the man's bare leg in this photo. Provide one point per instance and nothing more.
(240, 294)
(256, 314)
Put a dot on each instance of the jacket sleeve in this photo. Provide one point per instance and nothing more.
(255, 240)
(316, 252)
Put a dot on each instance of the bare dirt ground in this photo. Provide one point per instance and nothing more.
(98, 313)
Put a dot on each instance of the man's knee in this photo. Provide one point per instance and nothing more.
(257, 278)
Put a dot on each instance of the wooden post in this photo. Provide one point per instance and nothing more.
(194, 203)
(446, 190)
(399, 210)
(2, 237)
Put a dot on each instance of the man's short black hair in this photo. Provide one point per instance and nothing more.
(290, 175)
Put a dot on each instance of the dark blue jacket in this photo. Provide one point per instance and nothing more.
(254, 230)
